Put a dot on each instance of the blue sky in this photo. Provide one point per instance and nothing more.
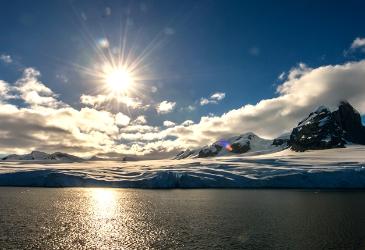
(195, 48)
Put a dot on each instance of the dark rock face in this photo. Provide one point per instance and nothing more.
(319, 130)
(324, 129)
(350, 121)
(240, 148)
(210, 151)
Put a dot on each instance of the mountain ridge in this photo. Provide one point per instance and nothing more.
(321, 129)
(42, 156)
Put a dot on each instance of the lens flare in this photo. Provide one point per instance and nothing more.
(226, 145)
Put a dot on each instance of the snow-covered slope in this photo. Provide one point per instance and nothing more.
(41, 156)
(331, 168)
(245, 143)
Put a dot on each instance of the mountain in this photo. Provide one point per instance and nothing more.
(321, 129)
(42, 156)
(245, 143)
(324, 129)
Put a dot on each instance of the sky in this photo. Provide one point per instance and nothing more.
(192, 71)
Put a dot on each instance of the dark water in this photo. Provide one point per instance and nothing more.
(87, 218)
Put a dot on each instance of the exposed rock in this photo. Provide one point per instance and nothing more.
(324, 129)
(212, 150)
(184, 154)
(349, 120)
(239, 148)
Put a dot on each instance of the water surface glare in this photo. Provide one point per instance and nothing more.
(98, 218)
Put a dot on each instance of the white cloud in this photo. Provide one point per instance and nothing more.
(122, 119)
(6, 58)
(281, 76)
(140, 120)
(204, 101)
(5, 91)
(169, 123)
(358, 43)
(218, 96)
(165, 107)
(34, 92)
(187, 123)
(213, 99)
(108, 101)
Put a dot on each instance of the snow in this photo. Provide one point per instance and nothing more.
(255, 144)
(42, 156)
(332, 168)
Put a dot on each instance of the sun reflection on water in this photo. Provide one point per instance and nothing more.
(117, 219)
(103, 203)
(103, 217)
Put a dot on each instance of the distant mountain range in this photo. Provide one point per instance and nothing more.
(42, 156)
(322, 129)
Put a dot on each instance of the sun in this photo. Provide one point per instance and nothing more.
(118, 79)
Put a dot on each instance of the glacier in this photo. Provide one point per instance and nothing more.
(330, 168)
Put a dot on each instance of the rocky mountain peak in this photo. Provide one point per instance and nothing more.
(323, 129)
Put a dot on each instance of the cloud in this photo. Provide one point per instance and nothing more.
(165, 107)
(41, 121)
(34, 92)
(218, 96)
(122, 119)
(187, 123)
(358, 43)
(6, 58)
(5, 91)
(188, 108)
(281, 76)
(204, 101)
(213, 99)
(140, 120)
(109, 101)
(169, 123)
(62, 77)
